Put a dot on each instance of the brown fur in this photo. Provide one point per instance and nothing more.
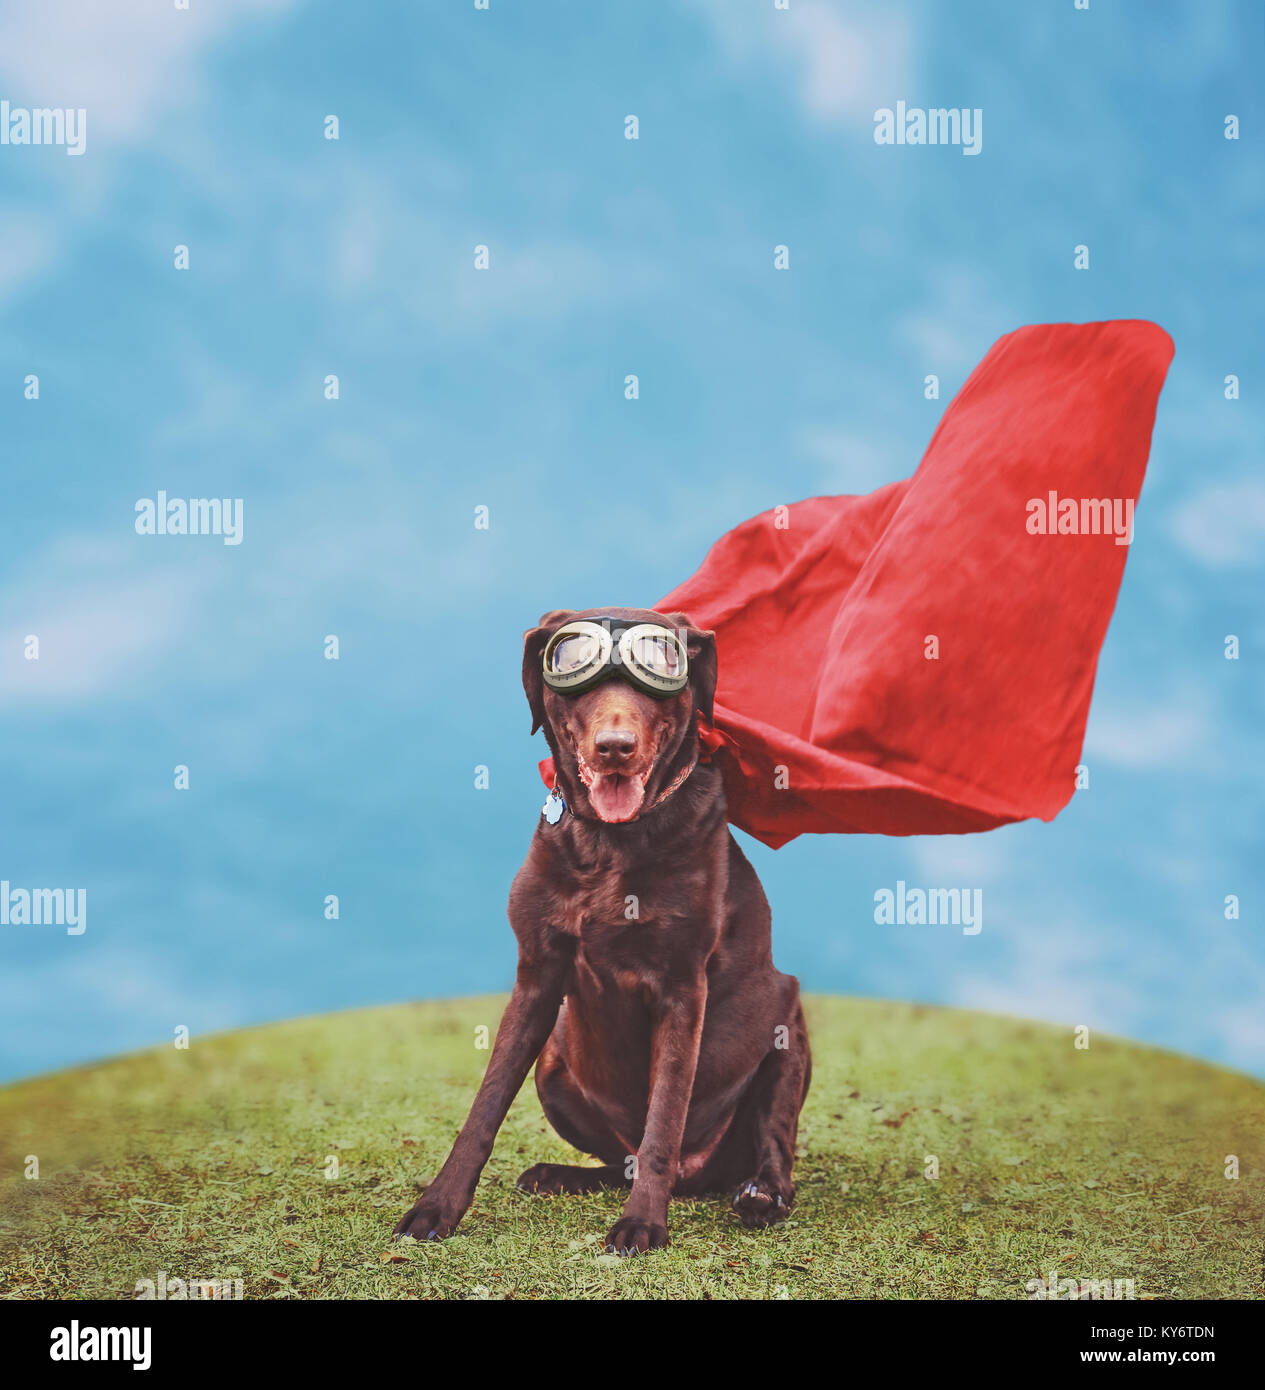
(666, 1044)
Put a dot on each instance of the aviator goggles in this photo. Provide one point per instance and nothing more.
(581, 654)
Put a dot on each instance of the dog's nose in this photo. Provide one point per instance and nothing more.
(615, 745)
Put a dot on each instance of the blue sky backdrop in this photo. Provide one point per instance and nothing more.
(504, 388)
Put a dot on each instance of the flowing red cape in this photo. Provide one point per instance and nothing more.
(919, 661)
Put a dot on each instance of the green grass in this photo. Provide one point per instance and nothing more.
(211, 1163)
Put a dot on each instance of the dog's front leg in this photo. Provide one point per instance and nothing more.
(678, 1031)
(528, 1020)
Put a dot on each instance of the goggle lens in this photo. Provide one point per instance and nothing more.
(574, 652)
(658, 654)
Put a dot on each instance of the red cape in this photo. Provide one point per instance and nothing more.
(836, 711)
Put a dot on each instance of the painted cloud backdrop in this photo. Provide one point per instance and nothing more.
(505, 388)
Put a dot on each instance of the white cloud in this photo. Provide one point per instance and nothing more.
(959, 321)
(949, 860)
(852, 463)
(1056, 974)
(98, 627)
(128, 64)
(131, 1002)
(1150, 734)
(847, 66)
(125, 62)
(540, 280)
(114, 617)
(846, 63)
(1242, 1030)
(1223, 526)
(32, 242)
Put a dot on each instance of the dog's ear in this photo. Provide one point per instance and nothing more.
(534, 640)
(700, 647)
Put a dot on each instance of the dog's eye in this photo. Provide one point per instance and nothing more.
(573, 652)
(658, 654)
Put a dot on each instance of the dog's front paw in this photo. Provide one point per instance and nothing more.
(762, 1202)
(429, 1218)
(632, 1236)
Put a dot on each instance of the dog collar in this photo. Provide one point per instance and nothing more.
(555, 803)
(674, 784)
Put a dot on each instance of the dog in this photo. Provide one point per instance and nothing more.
(666, 1044)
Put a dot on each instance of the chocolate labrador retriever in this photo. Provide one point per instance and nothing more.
(666, 1043)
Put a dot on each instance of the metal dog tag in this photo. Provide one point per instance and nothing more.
(554, 806)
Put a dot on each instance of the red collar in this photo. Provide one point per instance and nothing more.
(673, 785)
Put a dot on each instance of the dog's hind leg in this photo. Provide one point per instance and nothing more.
(580, 1124)
(552, 1179)
(769, 1121)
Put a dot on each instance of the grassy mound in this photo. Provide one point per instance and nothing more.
(216, 1162)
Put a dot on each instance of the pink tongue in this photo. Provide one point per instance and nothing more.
(615, 797)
